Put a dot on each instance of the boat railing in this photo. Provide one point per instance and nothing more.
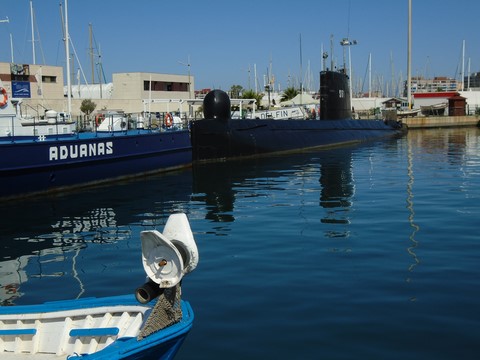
(7, 131)
(14, 128)
(166, 120)
(28, 106)
(120, 123)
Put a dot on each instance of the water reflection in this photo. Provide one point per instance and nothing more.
(411, 217)
(219, 185)
(451, 146)
(337, 186)
(212, 185)
(43, 237)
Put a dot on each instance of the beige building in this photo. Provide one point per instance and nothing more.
(42, 87)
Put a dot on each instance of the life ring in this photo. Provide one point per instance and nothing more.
(98, 119)
(168, 120)
(3, 97)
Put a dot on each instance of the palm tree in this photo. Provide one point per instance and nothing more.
(289, 93)
(250, 94)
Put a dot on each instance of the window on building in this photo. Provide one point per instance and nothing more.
(20, 77)
(49, 79)
(164, 86)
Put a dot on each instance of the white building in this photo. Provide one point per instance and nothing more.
(42, 87)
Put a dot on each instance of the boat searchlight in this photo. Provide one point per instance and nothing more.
(167, 256)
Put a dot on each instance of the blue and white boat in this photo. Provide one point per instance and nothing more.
(48, 154)
(117, 327)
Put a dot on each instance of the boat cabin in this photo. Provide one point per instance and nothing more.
(457, 105)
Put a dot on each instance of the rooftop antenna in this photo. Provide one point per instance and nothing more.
(188, 66)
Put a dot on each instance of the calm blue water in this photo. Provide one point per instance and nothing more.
(367, 252)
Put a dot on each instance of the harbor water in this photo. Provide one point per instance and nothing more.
(364, 252)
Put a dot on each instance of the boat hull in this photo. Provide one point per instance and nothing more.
(213, 139)
(219, 136)
(30, 167)
(162, 344)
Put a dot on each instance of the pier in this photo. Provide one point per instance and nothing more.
(441, 121)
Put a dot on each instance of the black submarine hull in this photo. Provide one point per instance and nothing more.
(217, 136)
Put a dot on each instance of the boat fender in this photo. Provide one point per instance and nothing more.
(168, 120)
(3, 97)
(147, 292)
(216, 105)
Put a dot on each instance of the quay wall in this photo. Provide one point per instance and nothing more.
(441, 121)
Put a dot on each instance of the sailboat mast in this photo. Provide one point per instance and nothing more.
(11, 38)
(91, 52)
(33, 33)
(67, 54)
(101, 75)
(301, 66)
(370, 75)
(463, 65)
(409, 56)
(468, 74)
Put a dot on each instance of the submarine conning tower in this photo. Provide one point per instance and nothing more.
(334, 96)
(216, 105)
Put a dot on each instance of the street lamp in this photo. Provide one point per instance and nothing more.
(347, 42)
(188, 65)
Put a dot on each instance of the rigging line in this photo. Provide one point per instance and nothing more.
(38, 36)
(365, 76)
(78, 60)
(459, 63)
(64, 32)
(100, 70)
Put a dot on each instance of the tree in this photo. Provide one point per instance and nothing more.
(87, 106)
(235, 91)
(250, 94)
(289, 93)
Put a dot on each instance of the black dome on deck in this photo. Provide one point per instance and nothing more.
(216, 105)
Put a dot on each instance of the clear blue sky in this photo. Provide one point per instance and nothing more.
(225, 38)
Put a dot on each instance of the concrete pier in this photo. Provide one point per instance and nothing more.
(440, 121)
